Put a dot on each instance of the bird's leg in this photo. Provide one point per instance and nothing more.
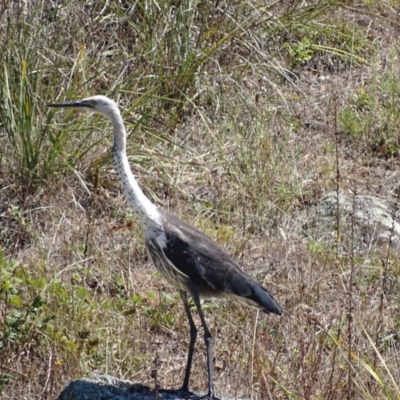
(208, 341)
(193, 336)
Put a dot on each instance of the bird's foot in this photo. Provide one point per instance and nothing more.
(184, 392)
(209, 396)
(188, 395)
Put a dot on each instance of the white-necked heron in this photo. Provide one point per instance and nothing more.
(186, 257)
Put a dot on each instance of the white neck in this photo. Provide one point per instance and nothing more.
(145, 210)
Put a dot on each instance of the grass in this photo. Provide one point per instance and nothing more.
(372, 116)
(241, 116)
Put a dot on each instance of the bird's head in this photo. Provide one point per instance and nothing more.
(97, 104)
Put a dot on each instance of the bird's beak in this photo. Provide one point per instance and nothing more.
(70, 104)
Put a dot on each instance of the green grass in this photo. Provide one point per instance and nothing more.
(372, 116)
(239, 115)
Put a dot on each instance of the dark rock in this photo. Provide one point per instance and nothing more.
(104, 387)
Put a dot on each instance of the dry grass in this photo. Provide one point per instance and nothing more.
(241, 114)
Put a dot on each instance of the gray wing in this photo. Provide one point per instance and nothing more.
(209, 268)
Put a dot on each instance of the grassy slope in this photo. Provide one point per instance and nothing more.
(237, 116)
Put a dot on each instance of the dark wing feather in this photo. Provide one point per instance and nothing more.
(209, 268)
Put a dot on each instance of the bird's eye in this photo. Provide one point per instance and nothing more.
(90, 103)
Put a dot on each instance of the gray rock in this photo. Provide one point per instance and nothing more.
(374, 221)
(104, 387)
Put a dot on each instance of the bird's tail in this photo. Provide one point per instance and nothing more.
(266, 300)
(256, 296)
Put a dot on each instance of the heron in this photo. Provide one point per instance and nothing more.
(184, 256)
